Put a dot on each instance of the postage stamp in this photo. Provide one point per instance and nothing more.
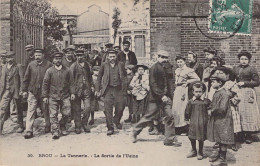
(231, 16)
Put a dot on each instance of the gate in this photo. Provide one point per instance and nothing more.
(27, 29)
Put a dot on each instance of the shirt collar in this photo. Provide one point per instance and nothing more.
(126, 52)
(82, 64)
(201, 98)
(9, 66)
(68, 59)
(58, 67)
(40, 63)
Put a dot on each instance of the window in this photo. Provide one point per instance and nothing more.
(140, 45)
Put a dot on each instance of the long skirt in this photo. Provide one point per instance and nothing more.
(180, 100)
(248, 110)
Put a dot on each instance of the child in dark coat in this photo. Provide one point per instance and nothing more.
(197, 112)
(220, 126)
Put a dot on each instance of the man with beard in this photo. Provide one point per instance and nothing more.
(112, 76)
(126, 56)
(30, 50)
(32, 88)
(158, 98)
(10, 88)
(82, 85)
(56, 92)
(68, 60)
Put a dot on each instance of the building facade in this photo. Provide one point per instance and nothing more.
(92, 28)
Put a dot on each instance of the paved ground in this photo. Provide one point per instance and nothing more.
(96, 148)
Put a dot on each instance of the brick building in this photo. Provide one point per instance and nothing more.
(173, 28)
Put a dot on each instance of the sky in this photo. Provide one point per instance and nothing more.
(79, 6)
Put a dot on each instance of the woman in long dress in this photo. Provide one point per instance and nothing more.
(247, 80)
(183, 77)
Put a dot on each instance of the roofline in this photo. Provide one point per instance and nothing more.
(100, 10)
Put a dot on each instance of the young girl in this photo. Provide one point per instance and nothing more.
(197, 112)
(140, 88)
(247, 80)
(220, 127)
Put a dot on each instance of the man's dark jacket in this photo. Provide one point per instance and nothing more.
(77, 78)
(15, 79)
(157, 82)
(103, 77)
(33, 77)
(121, 56)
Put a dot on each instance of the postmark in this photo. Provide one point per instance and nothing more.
(230, 17)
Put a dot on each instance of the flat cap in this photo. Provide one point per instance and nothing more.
(57, 54)
(109, 45)
(29, 47)
(163, 53)
(38, 50)
(10, 54)
(95, 68)
(79, 52)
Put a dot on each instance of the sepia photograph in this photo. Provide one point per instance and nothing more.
(129, 82)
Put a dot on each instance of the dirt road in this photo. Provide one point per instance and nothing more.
(96, 148)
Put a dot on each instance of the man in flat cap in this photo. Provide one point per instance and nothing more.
(10, 88)
(117, 49)
(95, 59)
(158, 99)
(32, 88)
(30, 51)
(82, 85)
(68, 60)
(126, 56)
(109, 46)
(56, 93)
(112, 79)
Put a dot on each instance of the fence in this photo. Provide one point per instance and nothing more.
(27, 29)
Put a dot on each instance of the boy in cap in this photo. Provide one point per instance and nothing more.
(82, 85)
(10, 88)
(126, 56)
(56, 93)
(220, 127)
(32, 90)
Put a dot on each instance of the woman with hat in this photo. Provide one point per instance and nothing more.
(140, 88)
(247, 80)
(183, 77)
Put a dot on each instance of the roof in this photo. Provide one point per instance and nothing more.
(66, 11)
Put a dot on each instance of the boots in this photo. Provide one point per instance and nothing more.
(155, 131)
(214, 158)
(221, 159)
(133, 119)
(128, 120)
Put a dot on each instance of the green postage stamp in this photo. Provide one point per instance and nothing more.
(231, 16)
